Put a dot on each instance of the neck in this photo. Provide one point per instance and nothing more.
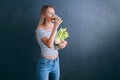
(48, 23)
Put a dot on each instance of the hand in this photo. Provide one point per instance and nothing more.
(58, 21)
(63, 44)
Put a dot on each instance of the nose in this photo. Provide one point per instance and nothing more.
(53, 15)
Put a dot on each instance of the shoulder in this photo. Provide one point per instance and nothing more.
(40, 30)
(39, 27)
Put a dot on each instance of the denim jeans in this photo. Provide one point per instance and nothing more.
(48, 69)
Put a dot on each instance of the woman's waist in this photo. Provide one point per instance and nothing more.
(48, 51)
(50, 55)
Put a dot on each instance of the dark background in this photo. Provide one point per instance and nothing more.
(93, 51)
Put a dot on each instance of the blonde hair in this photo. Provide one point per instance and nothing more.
(42, 13)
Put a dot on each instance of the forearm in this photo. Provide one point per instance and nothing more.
(52, 37)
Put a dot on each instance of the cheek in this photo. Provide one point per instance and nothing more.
(48, 15)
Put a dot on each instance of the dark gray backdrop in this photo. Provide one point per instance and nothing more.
(93, 51)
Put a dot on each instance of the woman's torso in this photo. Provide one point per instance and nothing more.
(45, 51)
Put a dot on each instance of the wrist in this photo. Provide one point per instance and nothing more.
(55, 28)
(56, 25)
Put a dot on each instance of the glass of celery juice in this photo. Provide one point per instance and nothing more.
(54, 17)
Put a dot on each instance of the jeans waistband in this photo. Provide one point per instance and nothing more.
(50, 56)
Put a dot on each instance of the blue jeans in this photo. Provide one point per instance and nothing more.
(48, 69)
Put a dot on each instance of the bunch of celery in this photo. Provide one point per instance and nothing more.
(61, 35)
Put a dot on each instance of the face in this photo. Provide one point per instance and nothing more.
(49, 13)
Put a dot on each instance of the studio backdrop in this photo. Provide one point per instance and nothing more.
(93, 50)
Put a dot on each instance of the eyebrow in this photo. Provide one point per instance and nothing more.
(51, 12)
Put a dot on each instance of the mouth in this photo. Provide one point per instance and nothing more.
(53, 19)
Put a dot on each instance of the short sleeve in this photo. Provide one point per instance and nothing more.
(40, 34)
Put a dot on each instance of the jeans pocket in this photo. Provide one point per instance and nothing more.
(43, 60)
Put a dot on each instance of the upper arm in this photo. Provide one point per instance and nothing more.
(42, 36)
(44, 40)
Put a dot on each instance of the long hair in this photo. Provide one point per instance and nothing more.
(42, 13)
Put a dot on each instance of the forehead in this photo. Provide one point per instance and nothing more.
(50, 10)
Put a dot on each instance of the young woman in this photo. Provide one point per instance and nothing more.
(48, 63)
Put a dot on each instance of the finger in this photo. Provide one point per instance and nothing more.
(60, 20)
(61, 46)
(57, 19)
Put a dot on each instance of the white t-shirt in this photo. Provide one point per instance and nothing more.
(40, 33)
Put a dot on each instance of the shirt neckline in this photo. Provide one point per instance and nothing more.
(43, 29)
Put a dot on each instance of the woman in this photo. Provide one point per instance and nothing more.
(48, 63)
